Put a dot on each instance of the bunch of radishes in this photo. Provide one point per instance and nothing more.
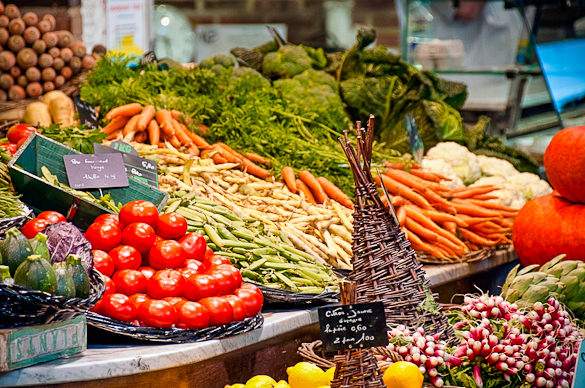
(493, 307)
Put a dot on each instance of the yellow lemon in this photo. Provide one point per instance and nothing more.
(260, 381)
(330, 373)
(403, 374)
(306, 375)
(235, 386)
(323, 386)
(282, 384)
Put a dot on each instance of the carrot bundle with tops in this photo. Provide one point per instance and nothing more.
(442, 222)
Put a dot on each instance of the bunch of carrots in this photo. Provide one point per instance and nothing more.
(443, 222)
(315, 190)
(142, 124)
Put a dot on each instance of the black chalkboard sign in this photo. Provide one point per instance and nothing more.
(353, 326)
(95, 171)
(87, 114)
(140, 168)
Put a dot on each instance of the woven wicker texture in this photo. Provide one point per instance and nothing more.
(286, 297)
(356, 369)
(385, 267)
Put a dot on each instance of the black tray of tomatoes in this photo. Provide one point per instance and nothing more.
(164, 284)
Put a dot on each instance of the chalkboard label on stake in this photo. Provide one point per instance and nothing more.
(142, 169)
(87, 114)
(95, 171)
(123, 147)
(353, 326)
(579, 376)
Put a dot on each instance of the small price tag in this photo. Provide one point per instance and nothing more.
(353, 326)
(140, 168)
(95, 171)
(87, 113)
(416, 144)
(579, 377)
(148, 57)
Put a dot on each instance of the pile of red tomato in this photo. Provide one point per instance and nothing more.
(17, 135)
(159, 275)
(38, 224)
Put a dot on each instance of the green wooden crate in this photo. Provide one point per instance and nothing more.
(39, 151)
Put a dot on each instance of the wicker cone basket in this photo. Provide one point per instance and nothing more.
(385, 267)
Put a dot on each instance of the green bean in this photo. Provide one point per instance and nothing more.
(212, 233)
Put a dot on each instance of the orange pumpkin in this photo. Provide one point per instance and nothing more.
(564, 162)
(548, 226)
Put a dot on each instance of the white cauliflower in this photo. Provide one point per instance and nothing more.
(530, 185)
(464, 163)
(439, 166)
(491, 166)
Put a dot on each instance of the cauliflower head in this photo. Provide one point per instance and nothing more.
(491, 166)
(530, 185)
(464, 163)
(441, 167)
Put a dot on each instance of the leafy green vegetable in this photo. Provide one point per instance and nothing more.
(78, 138)
(287, 62)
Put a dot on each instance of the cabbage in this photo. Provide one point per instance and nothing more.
(64, 239)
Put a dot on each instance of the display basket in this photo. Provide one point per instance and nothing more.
(276, 296)
(20, 306)
(17, 221)
(313, 353)
(173, 335)
(39, 151)
(469, 257)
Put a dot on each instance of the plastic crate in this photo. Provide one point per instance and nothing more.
(39, 151)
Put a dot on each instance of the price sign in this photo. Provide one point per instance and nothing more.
(140, 168)
(353, 326)
(95, 171)
(579, 378)
(87, 113)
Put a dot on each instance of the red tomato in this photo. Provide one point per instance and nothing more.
(200, 286)
(147, 271)
(192, 315)
(156, 313)
(110, 286)
(226, 282)
(10, 147)
(208, 253)
(166, 282)
(52, 217)
(21, 142)
(103, 262)
(234, 271)
(194, 245)
(105, 218)
(125, 257)
(166, 254)
(193, 264)
(214, 261)
(187, 272)
(220, 310)
(251, 299)
(238, 307)
(33, 227)
(175, 301)
(139, 235)
(138, 299)
(98, 307)
(129, 282)
(139, 211)
(104, 236)
(250, 286)
(118, 306)
(171, 226)
(20, 131)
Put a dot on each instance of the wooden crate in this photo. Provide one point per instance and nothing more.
(25, 346)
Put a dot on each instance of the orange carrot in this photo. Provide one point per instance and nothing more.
(153, 132)
(257, 158)
(418, 244)
(312, 182)
(412, 181)
(141, 137)
(130, 126)
(464, 207)
(175, 114)
(114, 134)
(429, 176)
(420, 230)
(466, 188)
(147, 114)
(398, 188)
(193, 150)
(303, 188)
(473, 191)
(198, 140)
(401, 215)
(254, 169)
(395, 165)
(486, 228)
(492, 205)
(124, 110)
(397, 200)
(450, 226)
(165, 122)
(416, 214)
(245, 164)
(175, 142)
(444, 217)
(288, 174)
(469, 220)
(183, 137)
(475, 238)
(335, 192)
(485, 197)
(115, 124)
(438, 202)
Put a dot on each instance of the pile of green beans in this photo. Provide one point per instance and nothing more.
(10, 205)
(262, 256)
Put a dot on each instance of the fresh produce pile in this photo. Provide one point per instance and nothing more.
(553, 224)
(301, 375)
(444, 222)
(321, 231)
(500, 346)
(560, 279)
(157, 274)
(54, 107)
(10, 205)
(465, 168)
(36, 59)
(56, 261)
